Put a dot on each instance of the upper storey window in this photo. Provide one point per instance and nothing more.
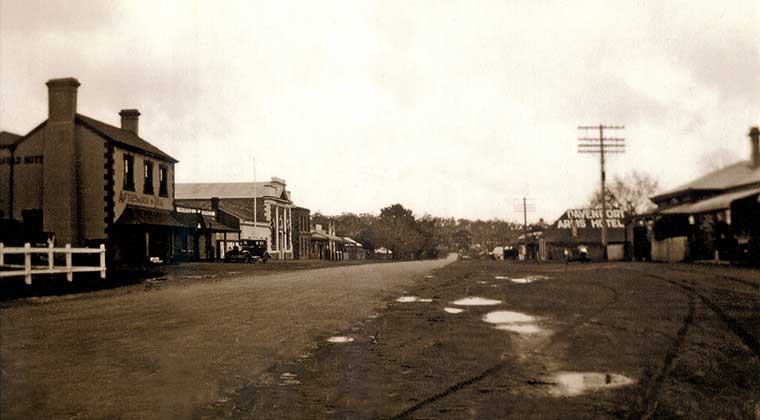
(148, 171)
(163, 174)
(129, 173)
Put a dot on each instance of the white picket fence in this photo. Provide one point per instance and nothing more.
(28, 270)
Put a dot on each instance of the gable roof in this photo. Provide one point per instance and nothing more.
(201, 190)
(8, 139)
(124, 138)
(738, 174)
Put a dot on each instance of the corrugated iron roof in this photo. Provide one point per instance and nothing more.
(123, 137)
(719, 202)
(201, 190)
(740, 173)
(8, 138)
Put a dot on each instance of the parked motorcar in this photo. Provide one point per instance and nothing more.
(249, 251)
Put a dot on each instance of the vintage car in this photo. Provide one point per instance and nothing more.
(248, 251)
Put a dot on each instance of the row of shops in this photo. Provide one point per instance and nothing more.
(76, 180)
(715, 217)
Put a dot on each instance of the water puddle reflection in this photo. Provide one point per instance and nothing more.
(407, 299)
(516, 322)
(576, 383)
(476, 301)
(288, 378)
(454, 310)
(340, 339)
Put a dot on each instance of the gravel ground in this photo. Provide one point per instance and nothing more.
(173, 345)
(685, 336)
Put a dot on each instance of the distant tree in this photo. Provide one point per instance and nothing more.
(396, 229)
(629, 193)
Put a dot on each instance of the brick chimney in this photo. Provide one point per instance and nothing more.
(62, 99)
(60, 206)
(130, 119)
(754, 138)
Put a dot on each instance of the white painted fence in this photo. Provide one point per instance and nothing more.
(28, 270)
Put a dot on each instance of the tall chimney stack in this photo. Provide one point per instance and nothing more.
(130, 119)
(62, 99)
(754, 138)
(60, 206)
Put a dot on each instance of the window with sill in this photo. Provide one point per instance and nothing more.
(148, 171)
(163, 183)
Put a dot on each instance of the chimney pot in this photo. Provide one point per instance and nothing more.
(129, 120)
(62, 99)
(754, 138)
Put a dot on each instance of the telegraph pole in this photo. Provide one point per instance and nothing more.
(598, 146)
(523, 206)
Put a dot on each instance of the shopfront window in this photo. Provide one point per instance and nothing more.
(148, 171)
(129, 173)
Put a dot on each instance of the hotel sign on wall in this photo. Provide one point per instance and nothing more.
(591, 218)
(143, 200)
(21, 160)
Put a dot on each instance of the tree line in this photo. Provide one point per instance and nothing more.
(410, 237)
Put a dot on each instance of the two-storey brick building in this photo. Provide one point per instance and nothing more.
(83, 182)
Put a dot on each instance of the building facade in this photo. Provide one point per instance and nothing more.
(76, 180)
(264, 209)
(714, 217)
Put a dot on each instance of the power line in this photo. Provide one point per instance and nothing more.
(602, 146)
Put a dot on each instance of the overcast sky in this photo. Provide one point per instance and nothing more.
(453, 108)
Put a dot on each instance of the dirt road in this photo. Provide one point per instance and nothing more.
(162, 352)
(549, 341)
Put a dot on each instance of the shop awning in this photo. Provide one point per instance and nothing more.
(720, 202)
(136, 216)
(203, 222)
(209, 223)
(318, 236)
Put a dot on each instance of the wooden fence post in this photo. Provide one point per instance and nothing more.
(102, 261)
(28, 263)
(51, 256)
(69, 273)
(2, 258)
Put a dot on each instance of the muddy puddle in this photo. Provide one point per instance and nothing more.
(516, 322)
(528, 279)
(476, 301)
(570, 384)
(454, 310)
(288, 378)
(410, 299)
(340, 339)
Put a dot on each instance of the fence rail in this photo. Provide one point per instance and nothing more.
(28, 270)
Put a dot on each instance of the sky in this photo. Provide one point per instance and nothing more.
(451, 108)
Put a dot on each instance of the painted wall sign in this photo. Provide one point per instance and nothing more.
(134, 198)
(190, 210)
(21, 160)
(591, 218)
